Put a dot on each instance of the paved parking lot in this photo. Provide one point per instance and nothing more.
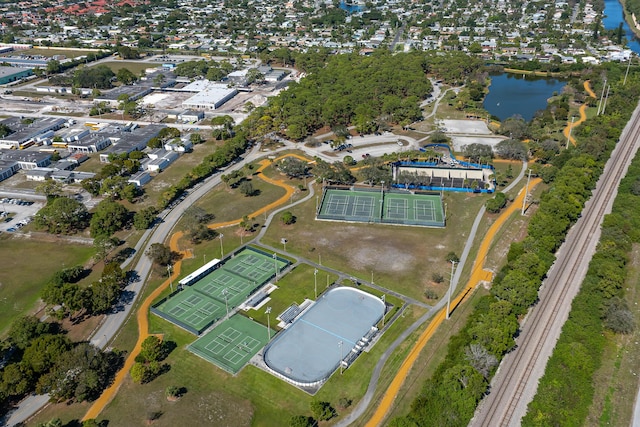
(13, 213)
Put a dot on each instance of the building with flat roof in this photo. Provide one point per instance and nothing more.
(26, 133)
(26, 160)
(12, 74)
(214, 96)
(128, 141)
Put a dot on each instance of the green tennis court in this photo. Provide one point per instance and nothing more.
(392, 207)
(199, 305)
(232, 343)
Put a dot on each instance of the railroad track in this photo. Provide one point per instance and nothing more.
(516, 381)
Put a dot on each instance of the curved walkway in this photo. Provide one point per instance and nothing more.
(478, 274)
(583, 115)
(143, 312)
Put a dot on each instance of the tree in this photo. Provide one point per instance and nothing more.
(496, 204)
(246, 189)
(125, 76)
(452, 257)
(144, 218)
(195, 220)
(50, 188)
(80, 373)
(287, 218)
(511, 149)
(17, 379)
(481, 360)
(293, 167)
(25, 329)
(254, 76)
(618, 317)
(348, 161)
(62, 215)
(104, 244)
(160, 254)
(322, 410)
(302, 421)
(151, 350)
(43, 352)
(108, 218)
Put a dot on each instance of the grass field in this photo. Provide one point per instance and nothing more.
(613, 384)
(133, 66)
(400, 258)
(23, 277)
(228, 204)
(52, 52)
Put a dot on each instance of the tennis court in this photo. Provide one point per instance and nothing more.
(231, 344)
(333, 331)
(206, 301)
(392, 207)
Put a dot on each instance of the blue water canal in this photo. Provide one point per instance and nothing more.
(512, 94)
(614, 15)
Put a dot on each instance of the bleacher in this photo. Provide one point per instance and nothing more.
(289, 314)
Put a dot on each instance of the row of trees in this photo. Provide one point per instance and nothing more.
(450, 396)
(73, 300)
(599, 305)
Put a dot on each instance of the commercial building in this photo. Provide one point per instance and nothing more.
(25, 133)
(212, 97)
(12, 74)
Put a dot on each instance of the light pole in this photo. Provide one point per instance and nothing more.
(169, 266)
(453, 264)
(275, 264)
(221, 247)
(315, 282)
(381, 198)
(268, 311)
(204, 259)
(340, 345)
(226, 301)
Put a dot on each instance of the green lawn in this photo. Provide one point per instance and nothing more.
(397, 257)
(26, 268)
(228, 204)
(135, 67)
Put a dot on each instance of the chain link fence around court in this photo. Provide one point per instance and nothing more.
(200, 304)
(372, 205)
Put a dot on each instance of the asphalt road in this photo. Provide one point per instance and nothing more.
(114, 321)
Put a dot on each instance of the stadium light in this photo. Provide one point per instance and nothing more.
(221, 247)
(226, 302)
(453, 264)
(268, 311)
(170, 277)
(341, 357)
(315, 282)
(275, 263)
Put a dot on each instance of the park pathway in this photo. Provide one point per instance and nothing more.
(143, 313)
(478, 275)
(583, 115)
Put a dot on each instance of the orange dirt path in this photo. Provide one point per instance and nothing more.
(143, 312)
(478, 274)
(583, 115)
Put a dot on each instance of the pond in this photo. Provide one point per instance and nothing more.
(614, 15)
(511, 94)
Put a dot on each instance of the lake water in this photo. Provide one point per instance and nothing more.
(613, 17)
(511, 94)
(350, 8)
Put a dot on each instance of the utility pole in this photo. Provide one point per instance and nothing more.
(453, 264)
(570, 129)
(601, 97)
(606, 97)
(626, 73)
(526, 193)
